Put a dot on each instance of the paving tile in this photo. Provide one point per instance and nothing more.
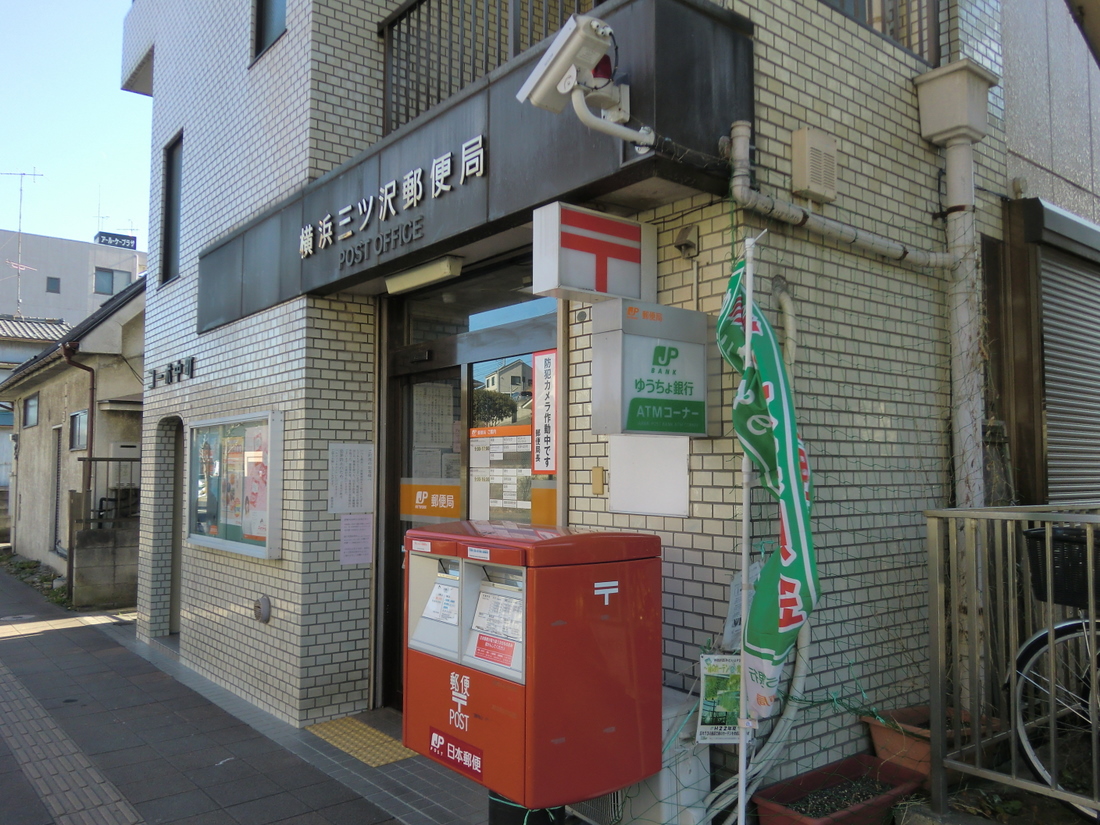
(178, 806)
(246, 789)
(356, 812)
(126, 756)
(268, 809)
(325, 794)
(233, 771)
(137, 771)
(177, 745)
(201, 758)
(156, 787)
(208, 818)
(295, 777)
(309, 818)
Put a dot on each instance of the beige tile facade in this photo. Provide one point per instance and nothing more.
(872, 367)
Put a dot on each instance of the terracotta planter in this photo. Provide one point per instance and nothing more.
(909, 743)
(772, 802)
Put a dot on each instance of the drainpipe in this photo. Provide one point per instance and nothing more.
(953, 101)
(68, 350)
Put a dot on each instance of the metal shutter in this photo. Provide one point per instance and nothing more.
(1071, 364)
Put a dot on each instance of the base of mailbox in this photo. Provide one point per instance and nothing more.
(505, 812)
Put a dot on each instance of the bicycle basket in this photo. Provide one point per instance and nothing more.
(1069, 564)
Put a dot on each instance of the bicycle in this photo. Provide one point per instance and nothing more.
(1054, 703)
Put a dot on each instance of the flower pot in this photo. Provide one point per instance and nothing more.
(903, 738)
(773, 802)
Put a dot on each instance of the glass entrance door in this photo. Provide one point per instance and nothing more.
(461, 422)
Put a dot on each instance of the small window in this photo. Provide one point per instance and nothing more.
(53, 285)
(912, 24)
(170, 215)
(270, 23)
(30, 411)
(104, 281)
(110, 281)
(78, 430)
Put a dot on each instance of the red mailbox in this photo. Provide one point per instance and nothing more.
(533, 657)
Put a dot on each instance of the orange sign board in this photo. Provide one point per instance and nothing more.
(430, 499)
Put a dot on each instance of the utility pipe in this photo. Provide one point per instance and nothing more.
(963, 293)
(68, 350)
(792, 213)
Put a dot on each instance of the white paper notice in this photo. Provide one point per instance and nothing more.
(499, 615)
(357, 539)
(443, 604)
(350, 478)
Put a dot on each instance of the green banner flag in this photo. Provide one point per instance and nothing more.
(763, 417)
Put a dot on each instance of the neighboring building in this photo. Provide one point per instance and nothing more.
(20, 339)
(76, 478)
(512, 379)
(310, 200)
(57, 278)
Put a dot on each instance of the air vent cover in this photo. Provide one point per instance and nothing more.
(813, 172)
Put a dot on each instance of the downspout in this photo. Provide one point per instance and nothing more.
(68, 350)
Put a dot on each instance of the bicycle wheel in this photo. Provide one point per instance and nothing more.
(1053, 709)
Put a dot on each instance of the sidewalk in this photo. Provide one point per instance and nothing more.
(99, 729)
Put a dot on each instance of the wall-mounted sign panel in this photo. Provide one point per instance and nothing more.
(589, 256)
(649, 369)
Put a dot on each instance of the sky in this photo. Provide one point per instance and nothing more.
(67, 119)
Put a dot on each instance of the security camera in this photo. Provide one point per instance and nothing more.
(582, 41)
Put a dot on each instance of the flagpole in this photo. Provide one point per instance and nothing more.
(743, 722)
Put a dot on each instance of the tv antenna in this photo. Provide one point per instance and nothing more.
(19, 267)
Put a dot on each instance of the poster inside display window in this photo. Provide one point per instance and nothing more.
(236, 475)
(513, 443)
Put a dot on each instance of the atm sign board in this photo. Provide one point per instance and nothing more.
(664, 386)
(649, 370)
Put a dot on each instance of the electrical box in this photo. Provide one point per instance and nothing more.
(533, 657)
(813, 165)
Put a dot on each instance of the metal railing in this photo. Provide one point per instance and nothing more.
(1014, 691)
(112, 497)
(436, 48)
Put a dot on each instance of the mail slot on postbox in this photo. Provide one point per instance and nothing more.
(533, 657)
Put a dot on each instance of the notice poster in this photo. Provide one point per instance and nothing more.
(356, 538)
(442, 605)
(720, 698)
(433, 423)
(492, 649)
(255, 483)
(232, 480)
(350, 477)
(500, 473)
(499, 615)
(544, 413)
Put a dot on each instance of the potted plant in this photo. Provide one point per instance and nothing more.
(859, 790)
(904, 737)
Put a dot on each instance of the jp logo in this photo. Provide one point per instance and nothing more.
(663, 356)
